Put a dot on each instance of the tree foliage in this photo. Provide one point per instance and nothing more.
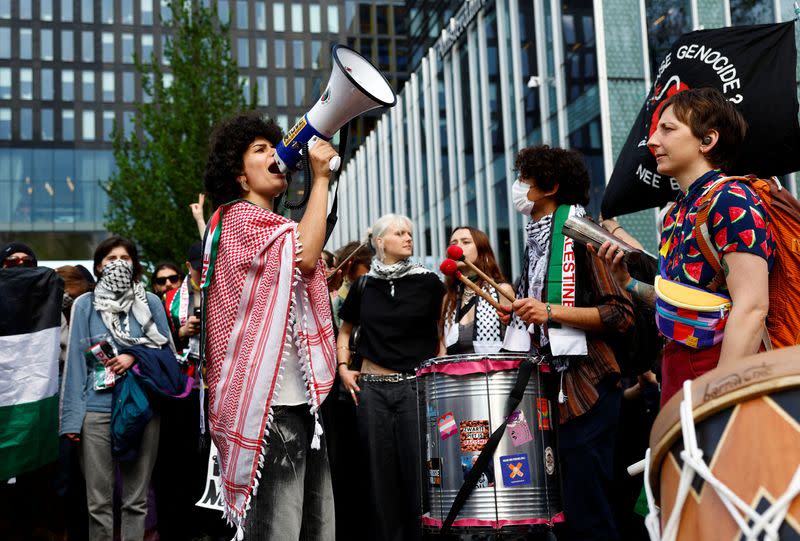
(160, 163)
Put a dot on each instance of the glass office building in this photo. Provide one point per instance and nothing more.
(67, 77)
(500, 75)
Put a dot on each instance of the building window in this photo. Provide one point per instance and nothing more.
(47, 133)
(87, 86)
(66, 10)
(244, 82)
(108, 125)
(67, 45)
(166, 12)
(297, 54)
(5, 123)
(26, 84)
(316, 49)
(108, 86)
(87, 126)
(126, 9)
(314, 18)
(280, 53)
(333, 19)
(5, 43)
(147, 11)
(224, 11)
(278, 17)
(87, 11)
(128, 87)
(107, 12)
(261, 16)
(68, 125)
(167, 80)
(67, 85)
(127, 123)
(243, 52)
(5, 9)
(261, 53)
(382, 18)
(164, 42)
(87, 46)
(25, 43)
(263, 92)
(108, 47)
(241, 15)
(5, 83)
(147, 47)
(127, 48)
(25, 9)
(46, 10)
(297, 17)
(280, 92)
(46, 44)
(26, 124)
(299, 91)
(47, 88)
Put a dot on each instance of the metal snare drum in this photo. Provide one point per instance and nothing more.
(463, 399)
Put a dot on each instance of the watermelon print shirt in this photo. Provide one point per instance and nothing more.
(738, 222)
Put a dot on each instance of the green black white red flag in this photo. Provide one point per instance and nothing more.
(30, 328)
(754, 67)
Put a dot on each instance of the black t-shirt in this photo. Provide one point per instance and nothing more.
(397, 332)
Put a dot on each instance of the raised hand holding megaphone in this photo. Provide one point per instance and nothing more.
(355, 86)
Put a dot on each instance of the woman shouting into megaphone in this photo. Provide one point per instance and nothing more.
(268, 338)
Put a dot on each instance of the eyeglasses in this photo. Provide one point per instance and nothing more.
(173, 279)
(18, 261)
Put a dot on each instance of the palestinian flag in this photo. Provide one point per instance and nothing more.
(30, 328)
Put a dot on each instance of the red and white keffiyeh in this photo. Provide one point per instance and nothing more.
(252, 289)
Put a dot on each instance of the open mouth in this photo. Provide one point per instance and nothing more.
(274, 169)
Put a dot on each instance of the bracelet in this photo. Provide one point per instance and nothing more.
(340, 363)
(631, 285)
(615, 229)
(549, 313)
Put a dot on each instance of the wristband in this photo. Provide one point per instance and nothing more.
(615, 229)
(549, 313)
(340, 363)
(631, 285)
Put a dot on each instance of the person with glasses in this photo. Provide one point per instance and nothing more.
(166, 277)
(17, 254)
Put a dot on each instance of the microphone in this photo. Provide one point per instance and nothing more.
(456, 253)
(450, 268)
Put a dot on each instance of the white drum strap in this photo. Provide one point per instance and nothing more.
(768, 522)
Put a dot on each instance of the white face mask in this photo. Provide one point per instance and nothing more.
(519, 195)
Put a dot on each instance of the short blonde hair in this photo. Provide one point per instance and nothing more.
(382, 224)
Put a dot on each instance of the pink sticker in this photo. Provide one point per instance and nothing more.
(518, 429)
(447, 425)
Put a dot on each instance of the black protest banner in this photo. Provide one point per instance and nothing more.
(754, 67)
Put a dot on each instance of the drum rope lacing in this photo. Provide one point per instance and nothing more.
(768, 522)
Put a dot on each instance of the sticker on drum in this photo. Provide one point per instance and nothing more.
(549, 461)
(543, 413)
(447, 425)
(518, 429)
(474, 435)
(486, 479)
(435, 472)
(516, 470)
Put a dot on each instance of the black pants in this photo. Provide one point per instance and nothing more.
(586, 450)
(389, 432)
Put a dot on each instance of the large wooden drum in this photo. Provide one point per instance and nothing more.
(747, 424)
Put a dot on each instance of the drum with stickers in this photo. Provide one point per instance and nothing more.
(724, 458)
(463, 397)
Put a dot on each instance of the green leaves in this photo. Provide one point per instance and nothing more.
(160, 164)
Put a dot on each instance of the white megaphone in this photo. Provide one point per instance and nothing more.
(355, 86)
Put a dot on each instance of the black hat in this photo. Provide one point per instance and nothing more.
(14, 247)
(195, 256)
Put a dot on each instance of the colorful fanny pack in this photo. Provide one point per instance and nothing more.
(690, 315)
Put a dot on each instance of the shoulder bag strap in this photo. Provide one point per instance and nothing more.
(487, 453)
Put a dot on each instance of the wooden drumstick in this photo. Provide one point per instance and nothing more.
(450, 268)
(456, 253)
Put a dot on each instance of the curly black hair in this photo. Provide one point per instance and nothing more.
(547, 166)
(229, 142)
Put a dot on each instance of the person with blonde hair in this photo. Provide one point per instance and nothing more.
(397, 309)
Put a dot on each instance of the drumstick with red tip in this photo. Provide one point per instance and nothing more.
(450, 268)
(456, 253)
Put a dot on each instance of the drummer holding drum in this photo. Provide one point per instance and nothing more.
(567, 306)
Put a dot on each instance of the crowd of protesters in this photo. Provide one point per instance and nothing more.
(307, 383)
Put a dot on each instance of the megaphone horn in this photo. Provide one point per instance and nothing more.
(355, 87)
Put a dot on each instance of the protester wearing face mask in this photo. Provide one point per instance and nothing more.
(567, 305)
(118, 315)
(17, 254)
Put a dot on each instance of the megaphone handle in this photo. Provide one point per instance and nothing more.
(335, 162)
